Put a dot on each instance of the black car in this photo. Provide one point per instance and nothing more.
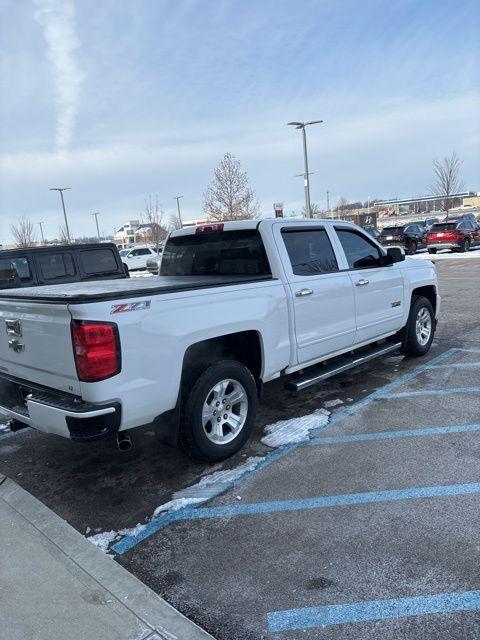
(39, 266)
(410, 237)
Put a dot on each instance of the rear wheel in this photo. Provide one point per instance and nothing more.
(218, 413)
(420, 327)
(412, 249)
(432, 251)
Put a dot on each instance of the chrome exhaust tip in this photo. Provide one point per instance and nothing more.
(124, 442)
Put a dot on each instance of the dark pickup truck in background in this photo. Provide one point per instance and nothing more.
(39, 266)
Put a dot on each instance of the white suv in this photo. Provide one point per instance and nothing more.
(136, 257)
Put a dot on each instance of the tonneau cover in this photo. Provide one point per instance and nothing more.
(80, 292)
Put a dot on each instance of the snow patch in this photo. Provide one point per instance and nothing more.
(333, 403)
(103, 540)
(294, 429)
(208, 487)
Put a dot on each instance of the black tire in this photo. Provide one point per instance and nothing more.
(465, 246)
(412, 346)
(126, 269)
(193, 437)
(412, 249)
(432, 251)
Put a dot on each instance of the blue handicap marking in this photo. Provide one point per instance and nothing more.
(372, 610)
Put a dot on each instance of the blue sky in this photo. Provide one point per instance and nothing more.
(119, 99)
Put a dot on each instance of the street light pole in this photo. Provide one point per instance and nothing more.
(96, 214)
(61, 190)
(41, 231)
(177, 198)
(306, 181)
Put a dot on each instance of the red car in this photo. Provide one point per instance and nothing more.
(457, 235)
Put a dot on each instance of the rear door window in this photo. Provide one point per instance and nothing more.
(221, 253)
(98, 261)
(310, 251)
(55, 266)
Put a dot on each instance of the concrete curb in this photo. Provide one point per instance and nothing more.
(130, 597)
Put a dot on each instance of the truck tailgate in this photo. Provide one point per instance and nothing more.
(36, 344)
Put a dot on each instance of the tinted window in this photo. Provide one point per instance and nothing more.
(14, 271)
(143, 252)
(392, 231)
(222, 253)
(55, 265)
(360, 252)
(445, 226)
(98, 261)
(310, 252)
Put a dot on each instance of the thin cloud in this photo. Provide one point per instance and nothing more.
(57, 18)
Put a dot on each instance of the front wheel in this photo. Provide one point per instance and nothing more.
(218, 411)
(432, 251)
(420, 327)
(465, 246)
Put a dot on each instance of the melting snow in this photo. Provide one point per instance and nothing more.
(333, 403)
(294, 429)
(209, 486)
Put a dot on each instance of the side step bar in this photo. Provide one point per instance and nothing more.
(339, 367)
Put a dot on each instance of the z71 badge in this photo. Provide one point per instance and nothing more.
(130, 306)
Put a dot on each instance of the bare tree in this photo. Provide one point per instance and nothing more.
(156, 233)
(174, 222)
(315, 210)
(342, 204)
(62, 235)
(24, 232)
(446, 178)
(229, 196)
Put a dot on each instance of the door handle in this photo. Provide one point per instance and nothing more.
(362, 282)
(303, 292)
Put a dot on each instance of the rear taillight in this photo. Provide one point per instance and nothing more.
(96, 347)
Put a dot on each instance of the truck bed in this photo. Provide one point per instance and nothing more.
(81, 292)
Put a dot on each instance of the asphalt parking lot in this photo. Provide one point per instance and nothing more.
(369, 530)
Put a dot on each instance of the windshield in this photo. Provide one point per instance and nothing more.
(124, 252)
(391, 231)
(208, 254)
(446, 226)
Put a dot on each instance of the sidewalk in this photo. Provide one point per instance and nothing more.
(57, 585)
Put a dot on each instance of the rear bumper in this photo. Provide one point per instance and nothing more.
(443, 245)
(53, 412)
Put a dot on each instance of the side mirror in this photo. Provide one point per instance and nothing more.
(397, 254)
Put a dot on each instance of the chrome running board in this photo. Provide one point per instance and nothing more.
(297, 384)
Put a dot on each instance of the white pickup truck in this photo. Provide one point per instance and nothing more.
(236, 305)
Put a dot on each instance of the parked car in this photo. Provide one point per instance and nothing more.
(153, 264)
(455, 235)
(137, 257)
(40, 266)
(372, 231)
(430, 222)
(410, 237)
(237, 304)
(460, 217)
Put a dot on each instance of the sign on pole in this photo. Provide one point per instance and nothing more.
(278, 208)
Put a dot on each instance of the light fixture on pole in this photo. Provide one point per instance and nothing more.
(61, 190)
(306, 182)
(96, 214)
(177, 198)
(41, 230)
